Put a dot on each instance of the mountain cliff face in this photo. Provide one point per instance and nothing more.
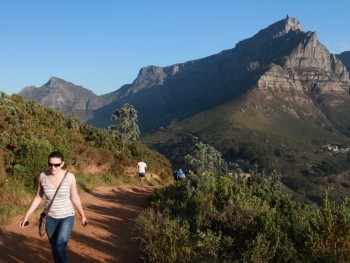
(281, 58)
(309, 75)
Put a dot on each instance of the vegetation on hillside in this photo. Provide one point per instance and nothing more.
(271, 135)
(29, 132)
(224, 218)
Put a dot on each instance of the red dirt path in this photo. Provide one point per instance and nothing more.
(111, 212)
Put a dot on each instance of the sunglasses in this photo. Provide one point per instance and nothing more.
(56, 165)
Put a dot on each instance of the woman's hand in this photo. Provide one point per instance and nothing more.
(84, 221)
(24, 222)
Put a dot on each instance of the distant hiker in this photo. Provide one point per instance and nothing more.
(60, 216)
(180, 174)
(141, 169)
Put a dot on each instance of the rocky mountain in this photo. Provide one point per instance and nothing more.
(65, 97)
(280, 58)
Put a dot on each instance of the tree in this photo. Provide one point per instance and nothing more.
(73, 122)
(330, 236)
(206, 160)
(5, 100)
(126, 123)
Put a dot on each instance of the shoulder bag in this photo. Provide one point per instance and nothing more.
(43, 215)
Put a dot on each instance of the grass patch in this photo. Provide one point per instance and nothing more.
(14, 198)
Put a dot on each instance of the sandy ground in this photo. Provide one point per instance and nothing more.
(111, 212)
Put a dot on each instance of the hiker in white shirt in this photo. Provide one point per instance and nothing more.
(141, 169)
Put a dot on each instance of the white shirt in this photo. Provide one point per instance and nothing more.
(62, 206)
(141, 166)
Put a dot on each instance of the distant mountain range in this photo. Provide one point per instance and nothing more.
(275, 99)
(182, 90)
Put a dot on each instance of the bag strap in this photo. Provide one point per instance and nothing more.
(50, 204)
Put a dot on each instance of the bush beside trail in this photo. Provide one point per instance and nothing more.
(210, 218)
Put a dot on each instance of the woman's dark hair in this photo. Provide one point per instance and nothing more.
(56, 154)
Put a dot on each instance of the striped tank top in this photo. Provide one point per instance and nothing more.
(62, 205)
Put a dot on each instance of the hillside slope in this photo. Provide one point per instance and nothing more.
(29, 132)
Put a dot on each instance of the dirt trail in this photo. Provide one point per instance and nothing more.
(111, 212)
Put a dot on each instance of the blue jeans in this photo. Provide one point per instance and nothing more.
(58, 232)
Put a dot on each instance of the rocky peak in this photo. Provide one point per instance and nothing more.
(149, 76)
(295, 59)
(284, 26)
(279, 29)
(54, 82)
(64, 96)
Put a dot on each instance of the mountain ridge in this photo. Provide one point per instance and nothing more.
(225, 75)
(153, 81)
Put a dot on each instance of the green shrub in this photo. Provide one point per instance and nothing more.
(329, 240)
(163, 239)
(31, 160)
(227, 220)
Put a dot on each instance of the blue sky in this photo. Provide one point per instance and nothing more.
(102, 44)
